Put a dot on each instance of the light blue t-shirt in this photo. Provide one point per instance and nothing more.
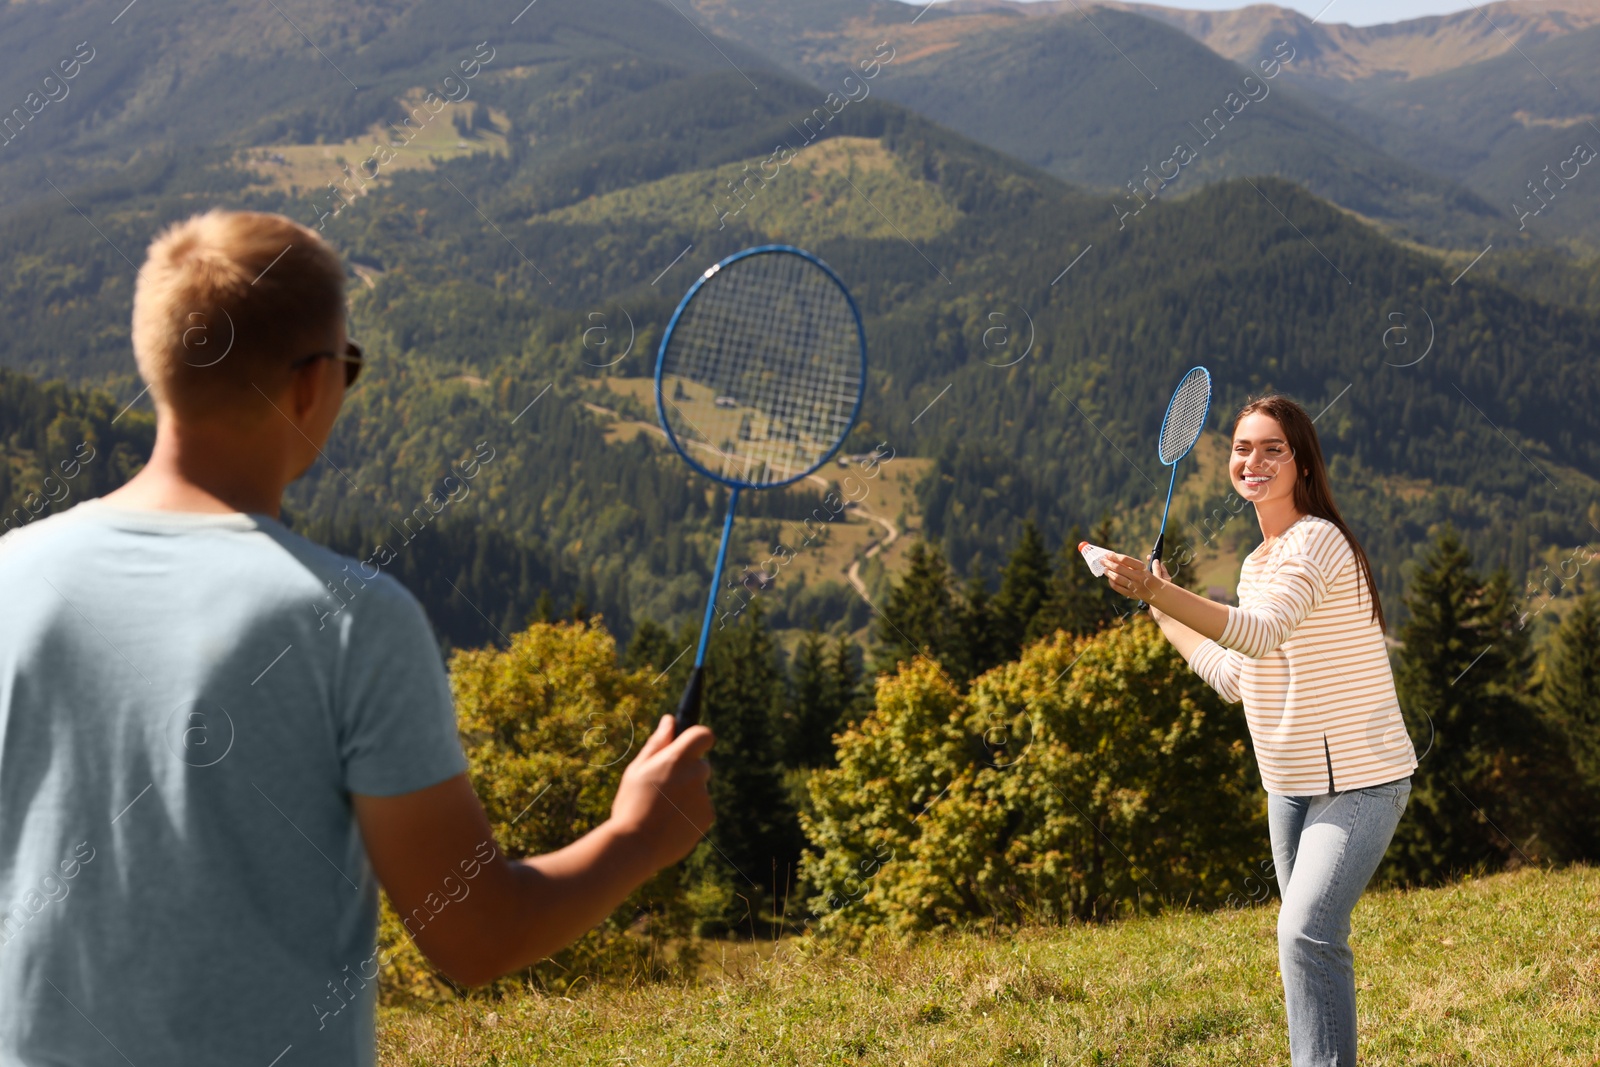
(187, 702)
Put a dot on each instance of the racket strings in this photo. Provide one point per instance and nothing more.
(769, 354)
(1186, 416)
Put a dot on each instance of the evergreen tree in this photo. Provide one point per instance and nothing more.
(544, 610)
(1024, 585)
(825, 696)
(1462, 680)
(667, 656)
(1571, 690)
(978, 645)
(852, 699)
(757, 832)
(651, 647)
(813, 708)
(919, 618)
(1076, 601)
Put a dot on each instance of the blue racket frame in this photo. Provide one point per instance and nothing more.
(1161, 537)
(688, 708)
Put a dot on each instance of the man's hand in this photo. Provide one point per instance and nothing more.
(436, 846)
(662, 801)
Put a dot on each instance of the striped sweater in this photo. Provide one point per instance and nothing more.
(1305, 655)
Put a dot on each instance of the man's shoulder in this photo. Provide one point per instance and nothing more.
(347, 584)
(19, 543)
(263, 554)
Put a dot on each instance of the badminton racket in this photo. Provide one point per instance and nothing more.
(1180, 429)
(758, 381)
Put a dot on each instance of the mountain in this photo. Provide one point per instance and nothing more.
(1337, 55)
(1023, 334)
(1522, 128)
(1486, 97)
(1097, 94)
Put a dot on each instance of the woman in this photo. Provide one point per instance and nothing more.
(1305, 651)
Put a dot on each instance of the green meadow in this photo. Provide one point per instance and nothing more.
(1496, 971)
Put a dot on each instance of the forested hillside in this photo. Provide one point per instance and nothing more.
(60, 446)
(1024, 335)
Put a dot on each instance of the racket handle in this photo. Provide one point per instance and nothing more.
(689, 706)
(1155, 554)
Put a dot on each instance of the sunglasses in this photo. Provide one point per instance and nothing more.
(352, 357)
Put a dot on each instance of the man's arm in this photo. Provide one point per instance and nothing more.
(509, 914)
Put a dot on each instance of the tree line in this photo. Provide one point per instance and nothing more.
(1507, 729)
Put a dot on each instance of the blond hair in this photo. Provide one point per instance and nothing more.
(224, 303)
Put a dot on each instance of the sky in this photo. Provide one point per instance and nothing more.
(1353, 12)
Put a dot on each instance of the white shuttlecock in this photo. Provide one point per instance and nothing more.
(1095, 557)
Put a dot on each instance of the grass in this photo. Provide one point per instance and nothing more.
(1499, 970)
(829, 187)
(312, 166)
(891, 494)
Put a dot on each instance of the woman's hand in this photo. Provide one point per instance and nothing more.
(1129, 576)
(1159, 569)
(1181, 611)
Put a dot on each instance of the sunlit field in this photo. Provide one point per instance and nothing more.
(1501, 970)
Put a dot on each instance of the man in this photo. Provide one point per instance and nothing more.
(214, 733)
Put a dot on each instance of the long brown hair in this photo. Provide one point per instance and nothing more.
(1312, 493)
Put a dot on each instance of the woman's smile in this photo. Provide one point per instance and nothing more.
(1255, 483)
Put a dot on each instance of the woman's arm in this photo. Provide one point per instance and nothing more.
(1199, 616)
(1183, 638)
(1298, 585)
(1217, 666)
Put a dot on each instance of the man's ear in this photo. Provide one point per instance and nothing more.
(305, 389)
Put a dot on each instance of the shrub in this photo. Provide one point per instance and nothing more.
(1094, 776)
(548, 726)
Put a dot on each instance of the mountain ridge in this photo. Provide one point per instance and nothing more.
(1074, 96)
(1337, 52)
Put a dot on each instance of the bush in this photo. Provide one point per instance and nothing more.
(1093, 777)
(548, 726)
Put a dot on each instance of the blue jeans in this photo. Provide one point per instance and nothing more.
(1324, 851)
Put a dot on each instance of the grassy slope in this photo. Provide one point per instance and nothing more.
(1491, 971)
(842, 178)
